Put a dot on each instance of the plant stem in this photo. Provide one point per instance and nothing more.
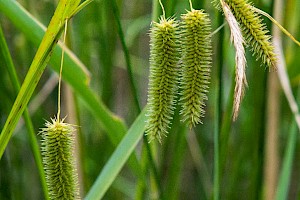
(126, 54)
(218, 114)
(156, 10)
(287, 166)
(172, 189)
(35, 71)
(31, 134)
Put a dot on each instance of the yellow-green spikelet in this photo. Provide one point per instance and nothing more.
(254, 31)
(163, 78)
(58, 160)
(196, 63)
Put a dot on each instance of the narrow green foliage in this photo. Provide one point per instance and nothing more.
(58, 160)
(254, 31)
(196, 63)
(163, 77)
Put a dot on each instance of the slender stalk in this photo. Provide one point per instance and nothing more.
(200, 164)
(281, 192)
(156, 10)
(60, 72)
(126, 54)
(218, 114)
(103, 18)
(271, 142)
(140, 185)
(226, 125)
(30, 129)
(277, 24)
(82, 6)
(287, 162)
(172, 189)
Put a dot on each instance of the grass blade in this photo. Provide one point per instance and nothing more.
(36, 69)
(74, 70)
(74, 73)
(31, 134)
(118, 159)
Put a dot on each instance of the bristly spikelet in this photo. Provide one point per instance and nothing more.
(163, 77)
(196, 63)
(254, 31)
(240, 60)
(58, 160)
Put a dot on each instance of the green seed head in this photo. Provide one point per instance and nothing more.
(254, 31)
(196, 63)
(163, 77)
(58, 160)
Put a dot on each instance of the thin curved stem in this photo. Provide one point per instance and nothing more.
(60, 72)
(277, 24)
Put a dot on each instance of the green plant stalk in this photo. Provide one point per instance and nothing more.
(226, 125)
(170, 7)
(140, 185)
(36, 69)
(287, 166)
(156, 10)
(172, 190)
(107, 39)
(218, 113)
(31, 134)
(118, 158)
(74, 73)
(126, 54)
(81, 6)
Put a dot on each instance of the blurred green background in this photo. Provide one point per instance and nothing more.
(249, 147)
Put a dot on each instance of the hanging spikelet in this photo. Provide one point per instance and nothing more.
(196, 63)
(254, 31)
(240, 60)
(58, 160)
(58, 151)
(163, 77)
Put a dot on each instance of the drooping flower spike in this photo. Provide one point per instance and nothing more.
(163, 77)
(196, 50)
(59, 163)
(254, 31)
(240, 59)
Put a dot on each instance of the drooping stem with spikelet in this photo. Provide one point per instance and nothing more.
(240, 59)
(196, 63)
(58, 160)
(254, 31)
(58, 152)
(163, 78)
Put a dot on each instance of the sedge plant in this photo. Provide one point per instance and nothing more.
(181, 69)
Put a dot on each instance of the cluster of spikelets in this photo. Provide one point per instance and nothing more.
(191, 38)
(189, 41)
(246, 27)
(254, 31)
(58, 159)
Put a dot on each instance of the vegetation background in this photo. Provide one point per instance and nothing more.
(254, 157)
